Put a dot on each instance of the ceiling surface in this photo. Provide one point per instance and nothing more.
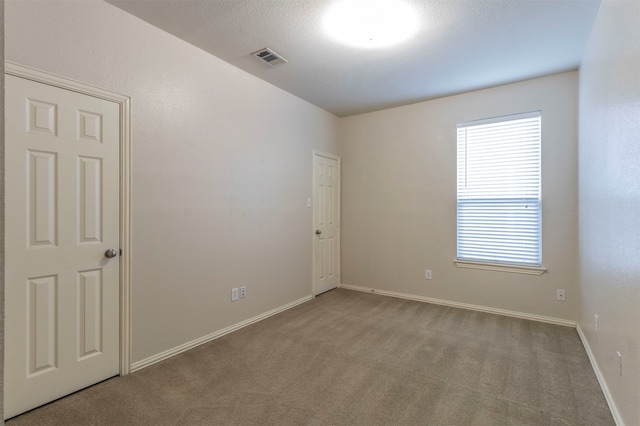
(461, 45)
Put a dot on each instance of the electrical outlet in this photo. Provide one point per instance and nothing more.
(560, 295)
(243, 292)
(234, 294)
(597, 322)
(427, 274)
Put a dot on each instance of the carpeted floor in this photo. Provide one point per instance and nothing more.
(352, 358)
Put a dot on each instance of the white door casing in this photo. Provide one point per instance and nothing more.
(66, 312)
(326, 222)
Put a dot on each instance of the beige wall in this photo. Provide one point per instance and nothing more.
(221, 167)
(399, 199)
(2, 210)
(610, 201)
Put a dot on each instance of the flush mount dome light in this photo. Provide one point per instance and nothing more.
(371, 23)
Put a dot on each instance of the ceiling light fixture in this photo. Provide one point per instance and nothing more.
(371, 23)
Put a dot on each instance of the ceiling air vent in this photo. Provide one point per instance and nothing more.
(269, 57)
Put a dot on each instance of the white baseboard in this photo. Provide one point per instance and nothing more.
(215, 335)
(505, 312)
(603, 384)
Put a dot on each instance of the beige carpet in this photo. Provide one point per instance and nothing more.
(350, 358)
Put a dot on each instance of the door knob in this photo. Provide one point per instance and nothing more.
(110, 253)
(318, 232)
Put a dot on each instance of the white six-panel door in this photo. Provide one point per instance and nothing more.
(62, 215)
(326, 218)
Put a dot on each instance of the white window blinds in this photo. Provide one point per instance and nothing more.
(499, 200)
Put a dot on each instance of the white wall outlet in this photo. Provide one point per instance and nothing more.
(243, 292)
(560, 295)
(597, 322)
(619, 362)
(427, 274)
(234, 294)
(309, 202)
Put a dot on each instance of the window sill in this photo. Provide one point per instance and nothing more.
(528, 270)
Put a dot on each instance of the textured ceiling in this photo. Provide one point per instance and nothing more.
(462, 45)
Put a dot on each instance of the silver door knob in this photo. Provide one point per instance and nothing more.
(318, 232)
(110, 253)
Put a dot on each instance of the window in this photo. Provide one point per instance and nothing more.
(499, 200)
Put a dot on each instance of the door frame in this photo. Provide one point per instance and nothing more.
(317, 153)
(124, 102)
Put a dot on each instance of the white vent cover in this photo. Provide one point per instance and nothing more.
(269, 57)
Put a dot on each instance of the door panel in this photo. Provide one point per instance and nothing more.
(62, 214)
(326, 266)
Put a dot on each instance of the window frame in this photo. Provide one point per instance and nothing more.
(483, 262)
